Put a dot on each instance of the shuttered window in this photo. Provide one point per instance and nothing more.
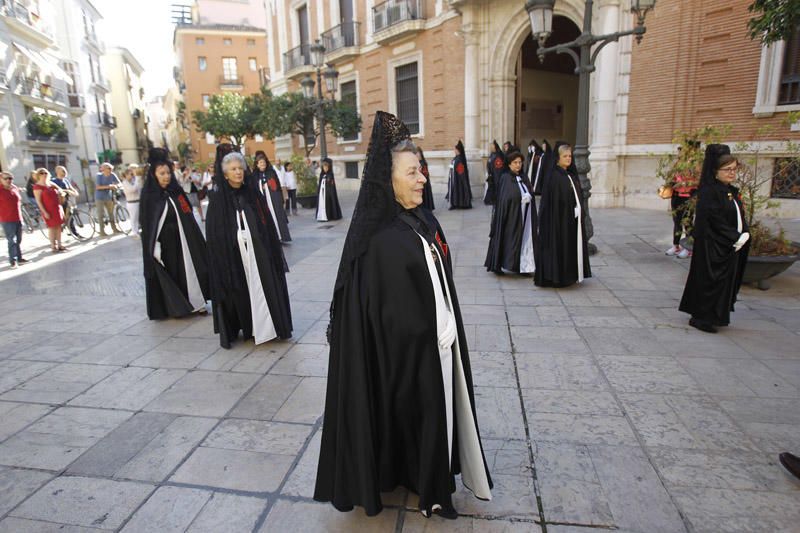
(790, 75)
(407, 87)
(350, 98)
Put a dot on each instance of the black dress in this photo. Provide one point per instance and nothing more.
(513, 229)
(716, 270)
(427, 191)
(328, 198)
(459, 191)
(248, 280)
(495, 167)
(562, 246)
(271, 187)
(174, 286)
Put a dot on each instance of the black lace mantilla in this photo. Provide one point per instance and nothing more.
(710, 162)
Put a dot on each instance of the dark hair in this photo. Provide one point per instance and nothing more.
(512, 156)
(726, 159)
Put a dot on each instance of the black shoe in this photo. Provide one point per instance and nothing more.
(702, 325)
(791, 463)
(22, 261)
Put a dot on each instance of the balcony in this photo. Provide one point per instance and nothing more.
(231, 83)
(77, 104)
(100, 84)
(341, 42)
(297, 61)
(93, 42)
(34, 92)
(26, 22)
(395, 19)
(107, 121)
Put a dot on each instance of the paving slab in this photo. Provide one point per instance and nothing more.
(16, 484)
(202, 393)
(316, 517)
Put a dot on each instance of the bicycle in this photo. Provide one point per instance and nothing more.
(121, 216)
(32, 218)
(78, 222)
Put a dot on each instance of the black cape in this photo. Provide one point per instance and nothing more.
(427, 191)
(506, 232)
(332, 209)
(459, 193)
(495, 167)
(230, 297)
(165, 285)
(385, 420)
(716, 270)
(270, 184)
(557, 255)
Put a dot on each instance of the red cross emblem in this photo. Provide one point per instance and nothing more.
(443, 245)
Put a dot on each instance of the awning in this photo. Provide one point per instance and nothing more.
(47, 65)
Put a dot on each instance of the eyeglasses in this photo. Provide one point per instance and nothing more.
(729, 170)
(8, 179)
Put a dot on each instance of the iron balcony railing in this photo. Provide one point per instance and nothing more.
(107, 120)
(24, 14)
(297, 57)
(231, 81)
(60, 137)
(393, 12)
(35, 88)
(341, 36)
(76, 101)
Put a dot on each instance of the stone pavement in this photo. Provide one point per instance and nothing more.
(599, 407)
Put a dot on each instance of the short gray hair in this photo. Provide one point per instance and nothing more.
(233, 156)
(406, 145)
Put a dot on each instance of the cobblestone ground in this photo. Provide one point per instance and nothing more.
(599, 407)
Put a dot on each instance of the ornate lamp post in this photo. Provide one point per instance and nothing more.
(331, 76)
(541, 16)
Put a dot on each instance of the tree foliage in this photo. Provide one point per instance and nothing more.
(773, 20)
(229, 115)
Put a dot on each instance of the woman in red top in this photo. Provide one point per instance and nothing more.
(48, 198)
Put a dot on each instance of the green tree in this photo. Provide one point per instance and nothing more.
(773, 20)
(229, 115)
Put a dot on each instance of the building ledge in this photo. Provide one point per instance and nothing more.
(46, 103)
(766, 111)
(48, 145)
(299, 71)
(341, 55)
(27, 31)
(398, 31)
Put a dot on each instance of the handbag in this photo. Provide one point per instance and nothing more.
(665, 192)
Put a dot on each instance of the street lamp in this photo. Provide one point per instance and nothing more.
(541, 15)
(331, 76)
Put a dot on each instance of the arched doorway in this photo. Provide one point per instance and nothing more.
(546, 95)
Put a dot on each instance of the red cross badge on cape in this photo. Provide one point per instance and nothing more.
(498, 163)
(443, 245)
(460, 168)
(184, 204)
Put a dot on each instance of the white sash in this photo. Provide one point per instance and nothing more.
(263, 327)
(578, 210)
(322, 215)
(527, 265)
(274, 215)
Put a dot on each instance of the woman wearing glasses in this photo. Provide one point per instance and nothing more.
(48, 198)
(720, 244)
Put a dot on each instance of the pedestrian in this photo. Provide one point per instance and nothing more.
(270, 186)
(49, 198)
(68, 186)
(507, 147)
(247, 266)
(106, 184)
(290, 186)
(11, 218)
(427, 192)
(541, 163)
(459, 192)
(328, 208)
(684, 188)
(197, 187)
(563, 255)
(721, 244)
(495, 166)
(399, 408)
(173, 249)
(132, 188)
(513, 227)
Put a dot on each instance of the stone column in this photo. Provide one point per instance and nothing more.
(472, 112)
(605, 167)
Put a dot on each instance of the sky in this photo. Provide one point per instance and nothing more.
(143, 27)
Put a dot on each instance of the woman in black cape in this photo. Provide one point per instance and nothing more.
(328, 201)
(495, 167)
(562, 257)
(540, 167)
(173, 249)
(427, 192)
(459, 192)
(399, 409)
(270, 185)
(513, 229)
(248, 269)
(721, 244)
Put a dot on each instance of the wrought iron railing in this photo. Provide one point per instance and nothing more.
(393, 12)
(107, 120)
(24, 14)
(76, 101)
(35, 88)
(297, 57)
(341, 36)
(230, 81)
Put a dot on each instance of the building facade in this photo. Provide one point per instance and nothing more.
(467, 69)
(127, 100)
(217, 53)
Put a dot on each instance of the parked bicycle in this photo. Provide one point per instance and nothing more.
(78, 222)
(32, 218)
(121, 217)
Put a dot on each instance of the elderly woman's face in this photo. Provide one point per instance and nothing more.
(234, 173)
(163, 176)
(516, 165)
(564, 157)
(407, 180)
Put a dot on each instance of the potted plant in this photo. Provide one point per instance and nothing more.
(306, 183)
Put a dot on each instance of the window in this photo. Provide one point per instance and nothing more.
(202, 63)
(91, 68)
(199, 41)
(229, 70)
(790, 74)
(49, 161)
(210, 139)
(251, 62)
(406, 84)
(70, 68)
(258, 138)
(206, 100)
(251, 42)
(786, 178)
(351, 170)
(226, 41)
(350, 99)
